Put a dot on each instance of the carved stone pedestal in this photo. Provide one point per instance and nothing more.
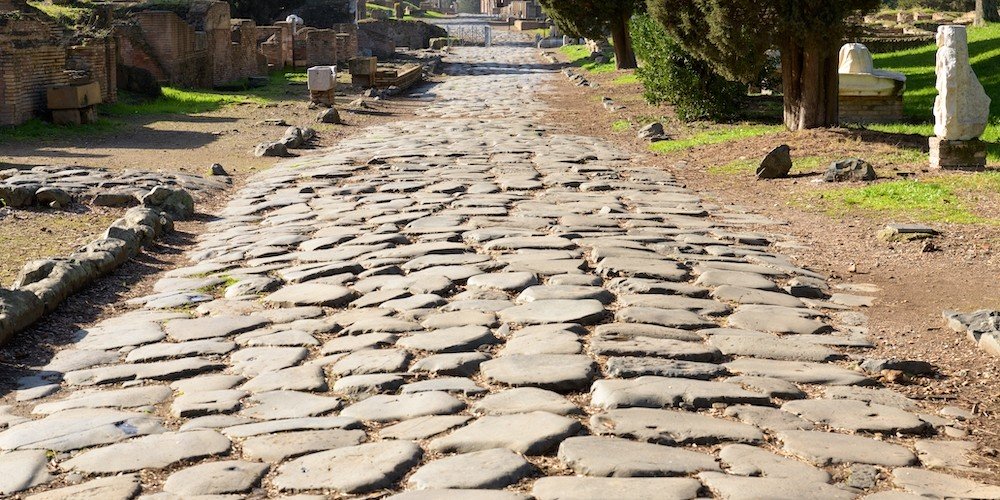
(958, 155)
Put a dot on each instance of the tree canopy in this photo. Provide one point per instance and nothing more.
(595, 19)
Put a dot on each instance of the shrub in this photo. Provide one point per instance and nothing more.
(669, 74)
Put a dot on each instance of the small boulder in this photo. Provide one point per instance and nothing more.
(217, 169)
(17, 196)
(176, 202)
(851, 169)
(776, 164)
(115, 199)
(53, 197)
(271, 149)
(329, 116)
(906, 232)
(653, 132)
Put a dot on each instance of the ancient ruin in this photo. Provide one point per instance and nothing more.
(868, 95)
(961, 109)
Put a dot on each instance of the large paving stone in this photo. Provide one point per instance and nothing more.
(772, 347)
(603, 488)
(123, 487)
(496, 468)
(290, 424)
(528, 433)
(751, 461)
(297, 378)
(167, 350)
(748, 488)
(565, 292)
(785, 320)
(215, 478)
(663, 392)
(801, 372)
(457, 339)
(770, 419)
(616, 457)
(157, 370)
(938, 485)
(825, 448)
(707, 307)
(672, 427)
(372, 361)
(653, 347)
(274, 405)
(199, 403)
(856, 416)
(423, 427)
(352, 469)
(182, 330)
(150, 452)
(276, 448)
(585, 311)
(557, 372)
(642, 268)
(635, 366)
(311, 294)
(671, 318)
(24, 469)
(632, 330)
(79, 428)
(524, 400)
(253, 361)
(384, 408)
(121, 398)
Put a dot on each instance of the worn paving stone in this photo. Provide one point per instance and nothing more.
(150, 452)
(938, 485)
(279, 404)
(664, 392)
(311, 294)
(79, 428)
(672, 427)
(635, 366)
(770, 419)
(616, 457)
(456, 339)
(528, 433)
(798, 371)
(122, 487)
(784, 320)
(653, 347)
(524, 400)
(372, 361)
(513, 282)
(199, 403)
(385, 408)
(940, 454)
(597, 488)
(825, 448)
(215, 478)
(856, 416)
(423, 427)
(584, 311)
(290, 424)
(122, 398)
(298, 378)
(457, 385)
(157, 370)
(557, 372)
(275, 448)
(24, 469)
(746, 488)
(772, 347)
(751, 461)
(565, 292)
(632, 330)
(671, 318)
(167, 350)
(496, 468)
(351, 469)
(460, 364)
(182, 330)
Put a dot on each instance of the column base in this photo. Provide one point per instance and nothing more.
(958, 155)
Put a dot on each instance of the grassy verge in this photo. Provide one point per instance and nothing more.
(626, 79)
(947, 198)
(38, 129)
(918, 66)
(807, 164)
(715, 136)
(579, 56)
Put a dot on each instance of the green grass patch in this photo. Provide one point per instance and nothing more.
(579, 56)
(918, 66)
(40, 129)
(924, 201)
(626, 79)
(716, 136)
(621, 126)
(799, 165)
(66, 15)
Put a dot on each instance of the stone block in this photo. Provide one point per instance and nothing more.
(958, 155)
(74, 96)
(322, 78)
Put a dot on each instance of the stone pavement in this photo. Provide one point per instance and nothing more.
(469, 301)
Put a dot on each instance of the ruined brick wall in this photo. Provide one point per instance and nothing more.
(244, 54)
(374, 34)
(269, 41)
(347, 41)
(287, 35)
(169, 48)
(321, 48)
(31, 60)
(99, 59)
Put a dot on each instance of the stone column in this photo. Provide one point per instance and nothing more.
(488, 35)
(961, 109)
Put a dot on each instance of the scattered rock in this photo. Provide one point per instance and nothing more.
(852, 169)
(271, 149)
(329, 116)
(653, 132)
(776, 164)
(905, 232)
(217, 169)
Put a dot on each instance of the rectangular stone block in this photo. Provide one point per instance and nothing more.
(74, 96)
(322, 78)
(958, 155)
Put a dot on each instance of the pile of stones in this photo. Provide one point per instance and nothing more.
(982, 327)
(294, 138)
(59, 186)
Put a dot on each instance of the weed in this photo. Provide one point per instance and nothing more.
(621, 126)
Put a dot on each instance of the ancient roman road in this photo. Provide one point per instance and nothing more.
(470, 306)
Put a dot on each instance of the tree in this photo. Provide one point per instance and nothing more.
(595, 19)
(807, 32)
(987, 11)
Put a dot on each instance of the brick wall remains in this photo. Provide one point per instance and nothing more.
(321, 48)
(31, 59)
(99, 58)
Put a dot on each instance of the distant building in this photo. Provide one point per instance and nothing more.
(514, 9)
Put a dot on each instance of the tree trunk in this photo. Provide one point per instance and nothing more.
(987, 11)
(622, 40)
(811, 84)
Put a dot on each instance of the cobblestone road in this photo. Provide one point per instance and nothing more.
(471, 302)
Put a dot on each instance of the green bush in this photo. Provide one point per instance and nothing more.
(669, 74)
